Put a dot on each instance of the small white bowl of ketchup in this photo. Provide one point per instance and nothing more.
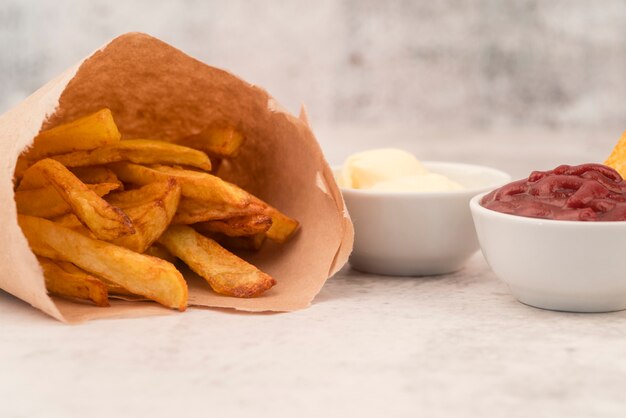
(558, 238)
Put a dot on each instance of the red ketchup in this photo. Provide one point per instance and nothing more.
(587, 192)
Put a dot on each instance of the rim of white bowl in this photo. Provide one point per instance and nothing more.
(505, 178)
(476, 206)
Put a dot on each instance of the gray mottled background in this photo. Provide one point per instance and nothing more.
(476, 65)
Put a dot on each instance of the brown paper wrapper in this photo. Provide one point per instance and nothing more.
(157, 91)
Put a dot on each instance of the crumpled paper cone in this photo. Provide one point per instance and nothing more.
(157, 91)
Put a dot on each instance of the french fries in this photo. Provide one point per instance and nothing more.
(107, 216)
(237, 226)
(104, 220)
(140, 151)
(617, 159)
(219, 141)
(90, 132)
(96, 174)
(72, 222)
(64, 279)
(202, 187)
(191, 211)
(46, 202)
(283, 227)
(151, 215)
(226, 273)
(143, 275)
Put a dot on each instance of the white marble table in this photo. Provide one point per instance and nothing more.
(456, 345)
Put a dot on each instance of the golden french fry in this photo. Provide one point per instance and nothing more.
(89, 132)
(194, 185)
(147, 193)
(104, 220)
(205, 196)
(151, 212)
(113, 289)
(198, 189)
(157, 250)
(140, 151)
(96, 174)
(283, 227)
(72, 222)
(46, 202)
(65, 279)
(617, 159)
(140, 274)
(191, 211)
(237, 226)
(220, 141)
(246, 243)
(226, 273)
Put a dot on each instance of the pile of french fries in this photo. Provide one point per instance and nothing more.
(109, 217)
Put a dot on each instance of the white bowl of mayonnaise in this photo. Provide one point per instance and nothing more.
(412, 218)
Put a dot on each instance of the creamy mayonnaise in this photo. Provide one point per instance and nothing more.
(391, 170)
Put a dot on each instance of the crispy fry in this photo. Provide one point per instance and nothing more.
(46, 202)
(220, 141)
(89, 132)
(201, 189)
(125, 243)
(112, 288)
(283, 227)
(104, 220)
(151, 212)
(195, 185)
(226, 273)
(237, 226)
(67, 280)
(192, 211)
(96, 174)
(246, 243)
(72, 222)
(145, 194)
(205, 196)
(140, 151)
(617, 159)
(143, 275)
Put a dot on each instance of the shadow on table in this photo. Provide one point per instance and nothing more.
(349, 283)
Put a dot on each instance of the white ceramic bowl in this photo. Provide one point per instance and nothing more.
(559, 265)
(418, 234)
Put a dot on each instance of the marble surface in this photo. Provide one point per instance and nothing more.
(455, 345)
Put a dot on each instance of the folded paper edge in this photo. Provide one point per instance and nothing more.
(345, 246)
(44, 100)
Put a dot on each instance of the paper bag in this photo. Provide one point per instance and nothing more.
(157, 91)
